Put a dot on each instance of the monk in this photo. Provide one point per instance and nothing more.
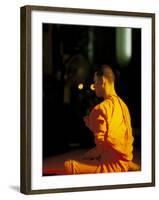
(110, 123)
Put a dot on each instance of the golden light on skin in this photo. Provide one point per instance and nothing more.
(92, 87)
(80, 86)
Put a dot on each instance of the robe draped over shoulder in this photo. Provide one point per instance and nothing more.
(110, 123)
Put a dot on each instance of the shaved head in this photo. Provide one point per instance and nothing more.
(107, 72)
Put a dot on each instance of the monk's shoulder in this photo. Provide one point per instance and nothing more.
(104, 107)
(124, 105)
(99, 108)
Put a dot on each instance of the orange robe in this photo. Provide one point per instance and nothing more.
(111, 125)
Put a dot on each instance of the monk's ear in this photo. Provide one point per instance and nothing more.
(103, 80)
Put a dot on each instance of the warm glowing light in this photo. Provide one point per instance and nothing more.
(92, 86)
(80, 86)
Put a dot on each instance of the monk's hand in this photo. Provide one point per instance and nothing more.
(86, 120)
(99, 141)
(99, 137)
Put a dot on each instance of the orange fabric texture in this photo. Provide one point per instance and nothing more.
(111, 125)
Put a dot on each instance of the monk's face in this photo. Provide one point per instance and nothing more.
(98, 83)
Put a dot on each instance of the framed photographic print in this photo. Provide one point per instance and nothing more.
(87, 99)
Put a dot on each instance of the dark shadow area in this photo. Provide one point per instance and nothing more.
(71, 53)
(15, 188)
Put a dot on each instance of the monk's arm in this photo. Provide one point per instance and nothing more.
(99, 141)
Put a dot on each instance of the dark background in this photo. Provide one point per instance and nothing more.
(71, 53)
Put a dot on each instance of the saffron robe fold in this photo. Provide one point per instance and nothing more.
(110, 123)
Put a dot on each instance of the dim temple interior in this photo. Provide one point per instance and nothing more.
(71, 54)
